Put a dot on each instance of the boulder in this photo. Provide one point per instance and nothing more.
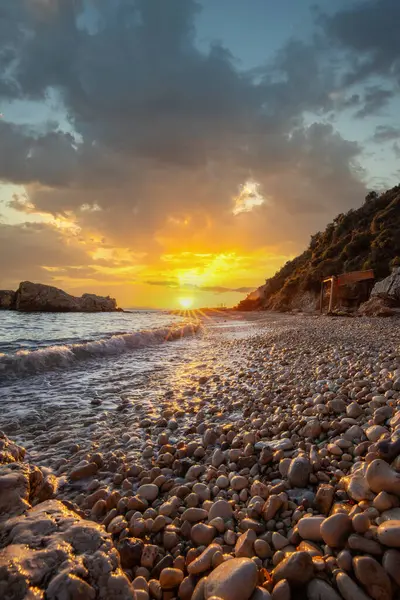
(388, 287)
(377, 307)
(10, 451)
(7, 300)
(36, 297)
(22, 485)
(51, 552)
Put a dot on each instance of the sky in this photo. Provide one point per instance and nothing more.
(178, 153)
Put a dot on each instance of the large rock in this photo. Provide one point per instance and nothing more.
(388, 287)
(45, 298)
(7, 299)
(22, 485)
(51, 552)
(377, 307)
(10, 451)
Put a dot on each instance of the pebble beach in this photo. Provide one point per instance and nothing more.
(266, 466)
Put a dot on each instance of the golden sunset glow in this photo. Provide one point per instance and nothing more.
(186, 302)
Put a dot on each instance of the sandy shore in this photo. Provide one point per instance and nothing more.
(268, 467)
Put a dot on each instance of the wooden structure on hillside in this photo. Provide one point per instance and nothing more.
(339, 280)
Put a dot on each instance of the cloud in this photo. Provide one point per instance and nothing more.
(27, 248)
(26, 157)
(163, 134)
(369, 31)
(219, 289)
(375, 99)
(386, 133)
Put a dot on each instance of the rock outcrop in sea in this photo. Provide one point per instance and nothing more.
(7, 300)
(37, 297)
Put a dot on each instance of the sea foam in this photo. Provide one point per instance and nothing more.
(43, 359)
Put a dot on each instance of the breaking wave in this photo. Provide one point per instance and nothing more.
(51, 357)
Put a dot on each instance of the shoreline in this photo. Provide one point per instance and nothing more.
(268, 460)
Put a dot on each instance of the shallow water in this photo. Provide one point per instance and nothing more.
(68, 374)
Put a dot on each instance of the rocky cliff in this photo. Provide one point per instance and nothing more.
(365, 238)
(36, 297)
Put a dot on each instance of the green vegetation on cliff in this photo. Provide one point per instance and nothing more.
(365, 238)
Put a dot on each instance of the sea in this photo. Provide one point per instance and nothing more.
(59, 370)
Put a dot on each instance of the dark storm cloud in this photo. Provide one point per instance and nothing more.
(351, 102)
(165, 131)
(375, 99)
(386, 133)
(25, 157)
(369, 30)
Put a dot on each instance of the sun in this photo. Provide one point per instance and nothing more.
(186, 302)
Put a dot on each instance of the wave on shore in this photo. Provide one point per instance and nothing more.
(43, 359)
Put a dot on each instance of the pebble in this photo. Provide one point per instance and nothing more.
(361, 523)
(281, 591)
(391, 564)
(318, 589)
(363, 544)
(204, 561)
(193, 515)
(381, 477)
(262, 548)
(348, 589)
(220, 508)
(297, 568)
(299, 472)
(84, 471)
(389, 533)
(310, 528)
(324, 498)
(260, 594)
(373, 577)
(234, 579)
(336, 529)
(279, 541)
(239, 482)
(148, 491)
(202, 534)
(170, 578)
(244, 544)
